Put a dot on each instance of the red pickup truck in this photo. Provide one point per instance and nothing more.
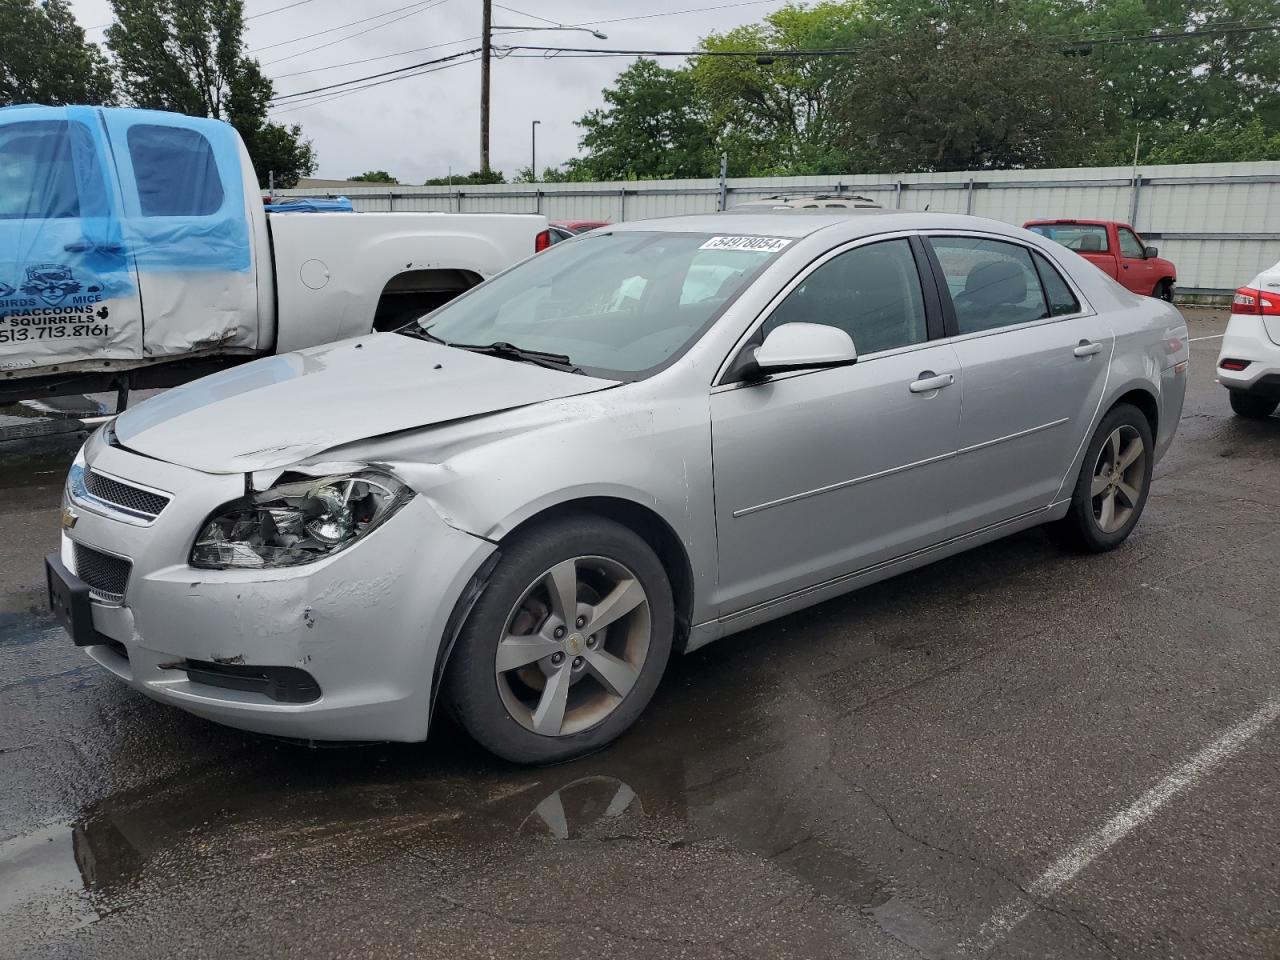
(1116, 250)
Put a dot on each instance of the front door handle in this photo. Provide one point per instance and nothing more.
(1087, 349)
(84, 246)
(929, 381)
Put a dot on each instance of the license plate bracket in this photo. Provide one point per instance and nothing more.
(70, 602)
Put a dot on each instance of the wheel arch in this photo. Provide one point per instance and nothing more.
(423, 289)
(638, 518)
(1146, 401)
(646, 523)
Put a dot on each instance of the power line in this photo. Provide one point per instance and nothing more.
(267, 13)
(385, 56)
(447, 43)
(341, 26)
(531, 16)
(374, 76)
(358, 33)
(329, 97)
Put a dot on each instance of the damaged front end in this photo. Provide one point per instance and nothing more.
(299, 520)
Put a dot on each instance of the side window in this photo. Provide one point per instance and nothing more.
(992, 283)
(872, 293)
(38, 178)
(175, 172)
(1130, 245)
(1061, 300)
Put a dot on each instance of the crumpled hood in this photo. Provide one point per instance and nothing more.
(278, 410)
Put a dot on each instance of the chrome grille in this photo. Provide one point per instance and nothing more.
(106, 575)
(124, 496)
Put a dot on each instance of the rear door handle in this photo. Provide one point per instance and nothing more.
(1087, 349)
(928, 382)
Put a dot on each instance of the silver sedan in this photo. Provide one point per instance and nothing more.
(639, 441)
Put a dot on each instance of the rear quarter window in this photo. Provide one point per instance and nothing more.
(175, 172)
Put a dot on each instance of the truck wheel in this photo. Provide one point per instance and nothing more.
(1113, 484)
(566, 645)
(1252, 407)
(1164, 291)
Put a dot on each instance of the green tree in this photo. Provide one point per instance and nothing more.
(45, 57)
(966, 86)
(1219, 142)
(375, 176)
(653, 126)
(188, 56)
(475, 178)
(1178, 89)
(775, 117)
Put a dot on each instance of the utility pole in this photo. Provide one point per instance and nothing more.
(486, 49)
(533, 150)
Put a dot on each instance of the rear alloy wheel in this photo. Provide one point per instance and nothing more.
(566, 644)
(1114, 480)
(1252, 407)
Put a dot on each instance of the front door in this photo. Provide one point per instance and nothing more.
(821, 473)
(1035, 367)
(1137, 273)
(68, 289)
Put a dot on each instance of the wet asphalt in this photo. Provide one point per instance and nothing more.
(1012, 753)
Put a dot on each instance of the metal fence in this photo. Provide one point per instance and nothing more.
(1219, 222)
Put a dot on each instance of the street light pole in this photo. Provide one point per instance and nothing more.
(486, 49)
(533, 151)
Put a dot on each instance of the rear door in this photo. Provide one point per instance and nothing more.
(68, 288)
(186, 221)
(1034, 359)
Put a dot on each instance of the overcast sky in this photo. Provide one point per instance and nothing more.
(419, 127)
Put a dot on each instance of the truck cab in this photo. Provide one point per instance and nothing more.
(1116, 249)
(135, 251)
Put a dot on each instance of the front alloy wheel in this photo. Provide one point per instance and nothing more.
(573, 646)
(566, 643)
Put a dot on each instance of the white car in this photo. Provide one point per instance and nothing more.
(1249, 364)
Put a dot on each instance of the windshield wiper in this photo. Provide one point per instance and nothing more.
(412, 329)
(509, 351)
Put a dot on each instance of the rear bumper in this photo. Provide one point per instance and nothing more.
(1247, 339)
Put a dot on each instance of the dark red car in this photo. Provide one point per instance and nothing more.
(1115, 249)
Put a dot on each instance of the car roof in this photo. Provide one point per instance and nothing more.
(795, 224)
(1084, 220)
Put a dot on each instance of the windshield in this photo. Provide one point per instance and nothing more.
(620, 304)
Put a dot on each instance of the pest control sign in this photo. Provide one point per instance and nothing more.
(755, 244)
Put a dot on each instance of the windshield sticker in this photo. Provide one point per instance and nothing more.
(762, 244)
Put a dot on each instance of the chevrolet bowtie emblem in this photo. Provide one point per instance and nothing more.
(69, 518)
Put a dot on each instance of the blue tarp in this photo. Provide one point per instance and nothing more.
(311, 205)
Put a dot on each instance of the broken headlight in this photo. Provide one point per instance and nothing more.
(298, 521)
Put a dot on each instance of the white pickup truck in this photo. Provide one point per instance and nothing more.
(135, 252)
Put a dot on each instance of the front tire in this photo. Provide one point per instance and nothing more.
(1252, 407)
(566, 645)
(1164, 290)
(1112, 488)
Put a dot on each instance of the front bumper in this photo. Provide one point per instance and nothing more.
(366, 623)
(1248, 338)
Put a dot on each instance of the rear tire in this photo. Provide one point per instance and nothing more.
(530, 680)
(1112, 488)
(1251, 407)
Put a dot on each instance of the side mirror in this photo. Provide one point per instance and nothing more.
(1150, 252)
(804, 346)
